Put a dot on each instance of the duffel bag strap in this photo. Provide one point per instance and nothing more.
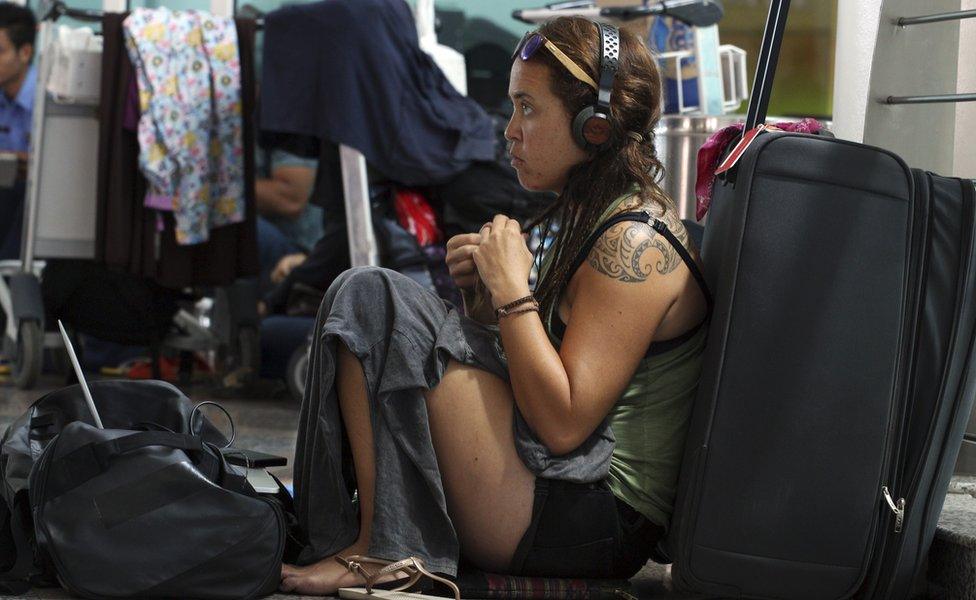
(105, 451)
(90, 460)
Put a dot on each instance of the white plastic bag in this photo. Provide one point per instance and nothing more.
(76, 72)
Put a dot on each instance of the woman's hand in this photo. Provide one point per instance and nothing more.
(503, 260)
(459, 262)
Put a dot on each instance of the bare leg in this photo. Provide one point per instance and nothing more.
(489, 490)
(327, 575)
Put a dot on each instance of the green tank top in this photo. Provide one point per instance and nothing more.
(650, 420)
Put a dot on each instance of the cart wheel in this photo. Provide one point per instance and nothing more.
(296, 371)
(30, 354)
(249, 352)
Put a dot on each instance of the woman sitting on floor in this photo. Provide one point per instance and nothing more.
(542, 436)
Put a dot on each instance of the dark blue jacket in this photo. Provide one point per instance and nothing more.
(351, 72)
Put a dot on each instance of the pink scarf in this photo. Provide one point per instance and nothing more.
(711, 151)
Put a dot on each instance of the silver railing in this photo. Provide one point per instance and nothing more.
(933, 98)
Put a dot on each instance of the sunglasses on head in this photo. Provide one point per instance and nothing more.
(530, 44)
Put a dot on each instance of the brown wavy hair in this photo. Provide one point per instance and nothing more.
(635, 105)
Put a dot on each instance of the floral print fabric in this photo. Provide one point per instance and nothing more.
(190, 129)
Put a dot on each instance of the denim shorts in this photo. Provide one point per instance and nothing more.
(581, 530)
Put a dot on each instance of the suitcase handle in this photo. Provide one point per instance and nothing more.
(762, 86)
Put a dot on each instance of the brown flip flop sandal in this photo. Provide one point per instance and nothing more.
(413, 567)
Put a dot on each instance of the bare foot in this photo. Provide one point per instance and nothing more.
(325, 577)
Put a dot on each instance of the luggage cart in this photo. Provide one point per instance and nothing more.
(59, 222)
(65, 229)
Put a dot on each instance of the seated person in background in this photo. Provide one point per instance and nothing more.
(491, 437)
(288, 225)
(18, 77)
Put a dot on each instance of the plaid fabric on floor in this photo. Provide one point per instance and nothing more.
(475, 585)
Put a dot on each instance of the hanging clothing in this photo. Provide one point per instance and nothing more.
(351, 72)
(190, 130)
(127, 236)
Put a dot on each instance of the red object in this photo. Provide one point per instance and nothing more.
(416, 216)
(169, 368)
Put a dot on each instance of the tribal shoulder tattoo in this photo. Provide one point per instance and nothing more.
(629, 250)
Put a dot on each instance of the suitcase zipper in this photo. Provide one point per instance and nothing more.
(915, 480)
(916, 476)
(922, 202)
(898, 508)
(922, 211)
(893, 458)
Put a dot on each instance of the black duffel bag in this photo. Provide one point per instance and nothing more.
(152, 514)
(141, 509)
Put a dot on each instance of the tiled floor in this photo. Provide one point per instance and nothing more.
(266, 421)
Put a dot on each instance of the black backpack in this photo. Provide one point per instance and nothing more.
(142, 508)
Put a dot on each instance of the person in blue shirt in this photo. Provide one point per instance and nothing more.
(18, 77)
(288, 225)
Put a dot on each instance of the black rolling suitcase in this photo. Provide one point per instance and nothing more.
(838, 375)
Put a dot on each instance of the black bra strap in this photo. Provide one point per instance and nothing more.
(660, 227)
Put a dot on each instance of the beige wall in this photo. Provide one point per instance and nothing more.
(875, 59)
(965, 150)
(909, 61)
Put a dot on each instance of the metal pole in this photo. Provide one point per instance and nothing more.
(949, 16)
(762, 87)
(930, 99)
(32, 195)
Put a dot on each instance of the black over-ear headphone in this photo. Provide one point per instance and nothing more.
(591, 126)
